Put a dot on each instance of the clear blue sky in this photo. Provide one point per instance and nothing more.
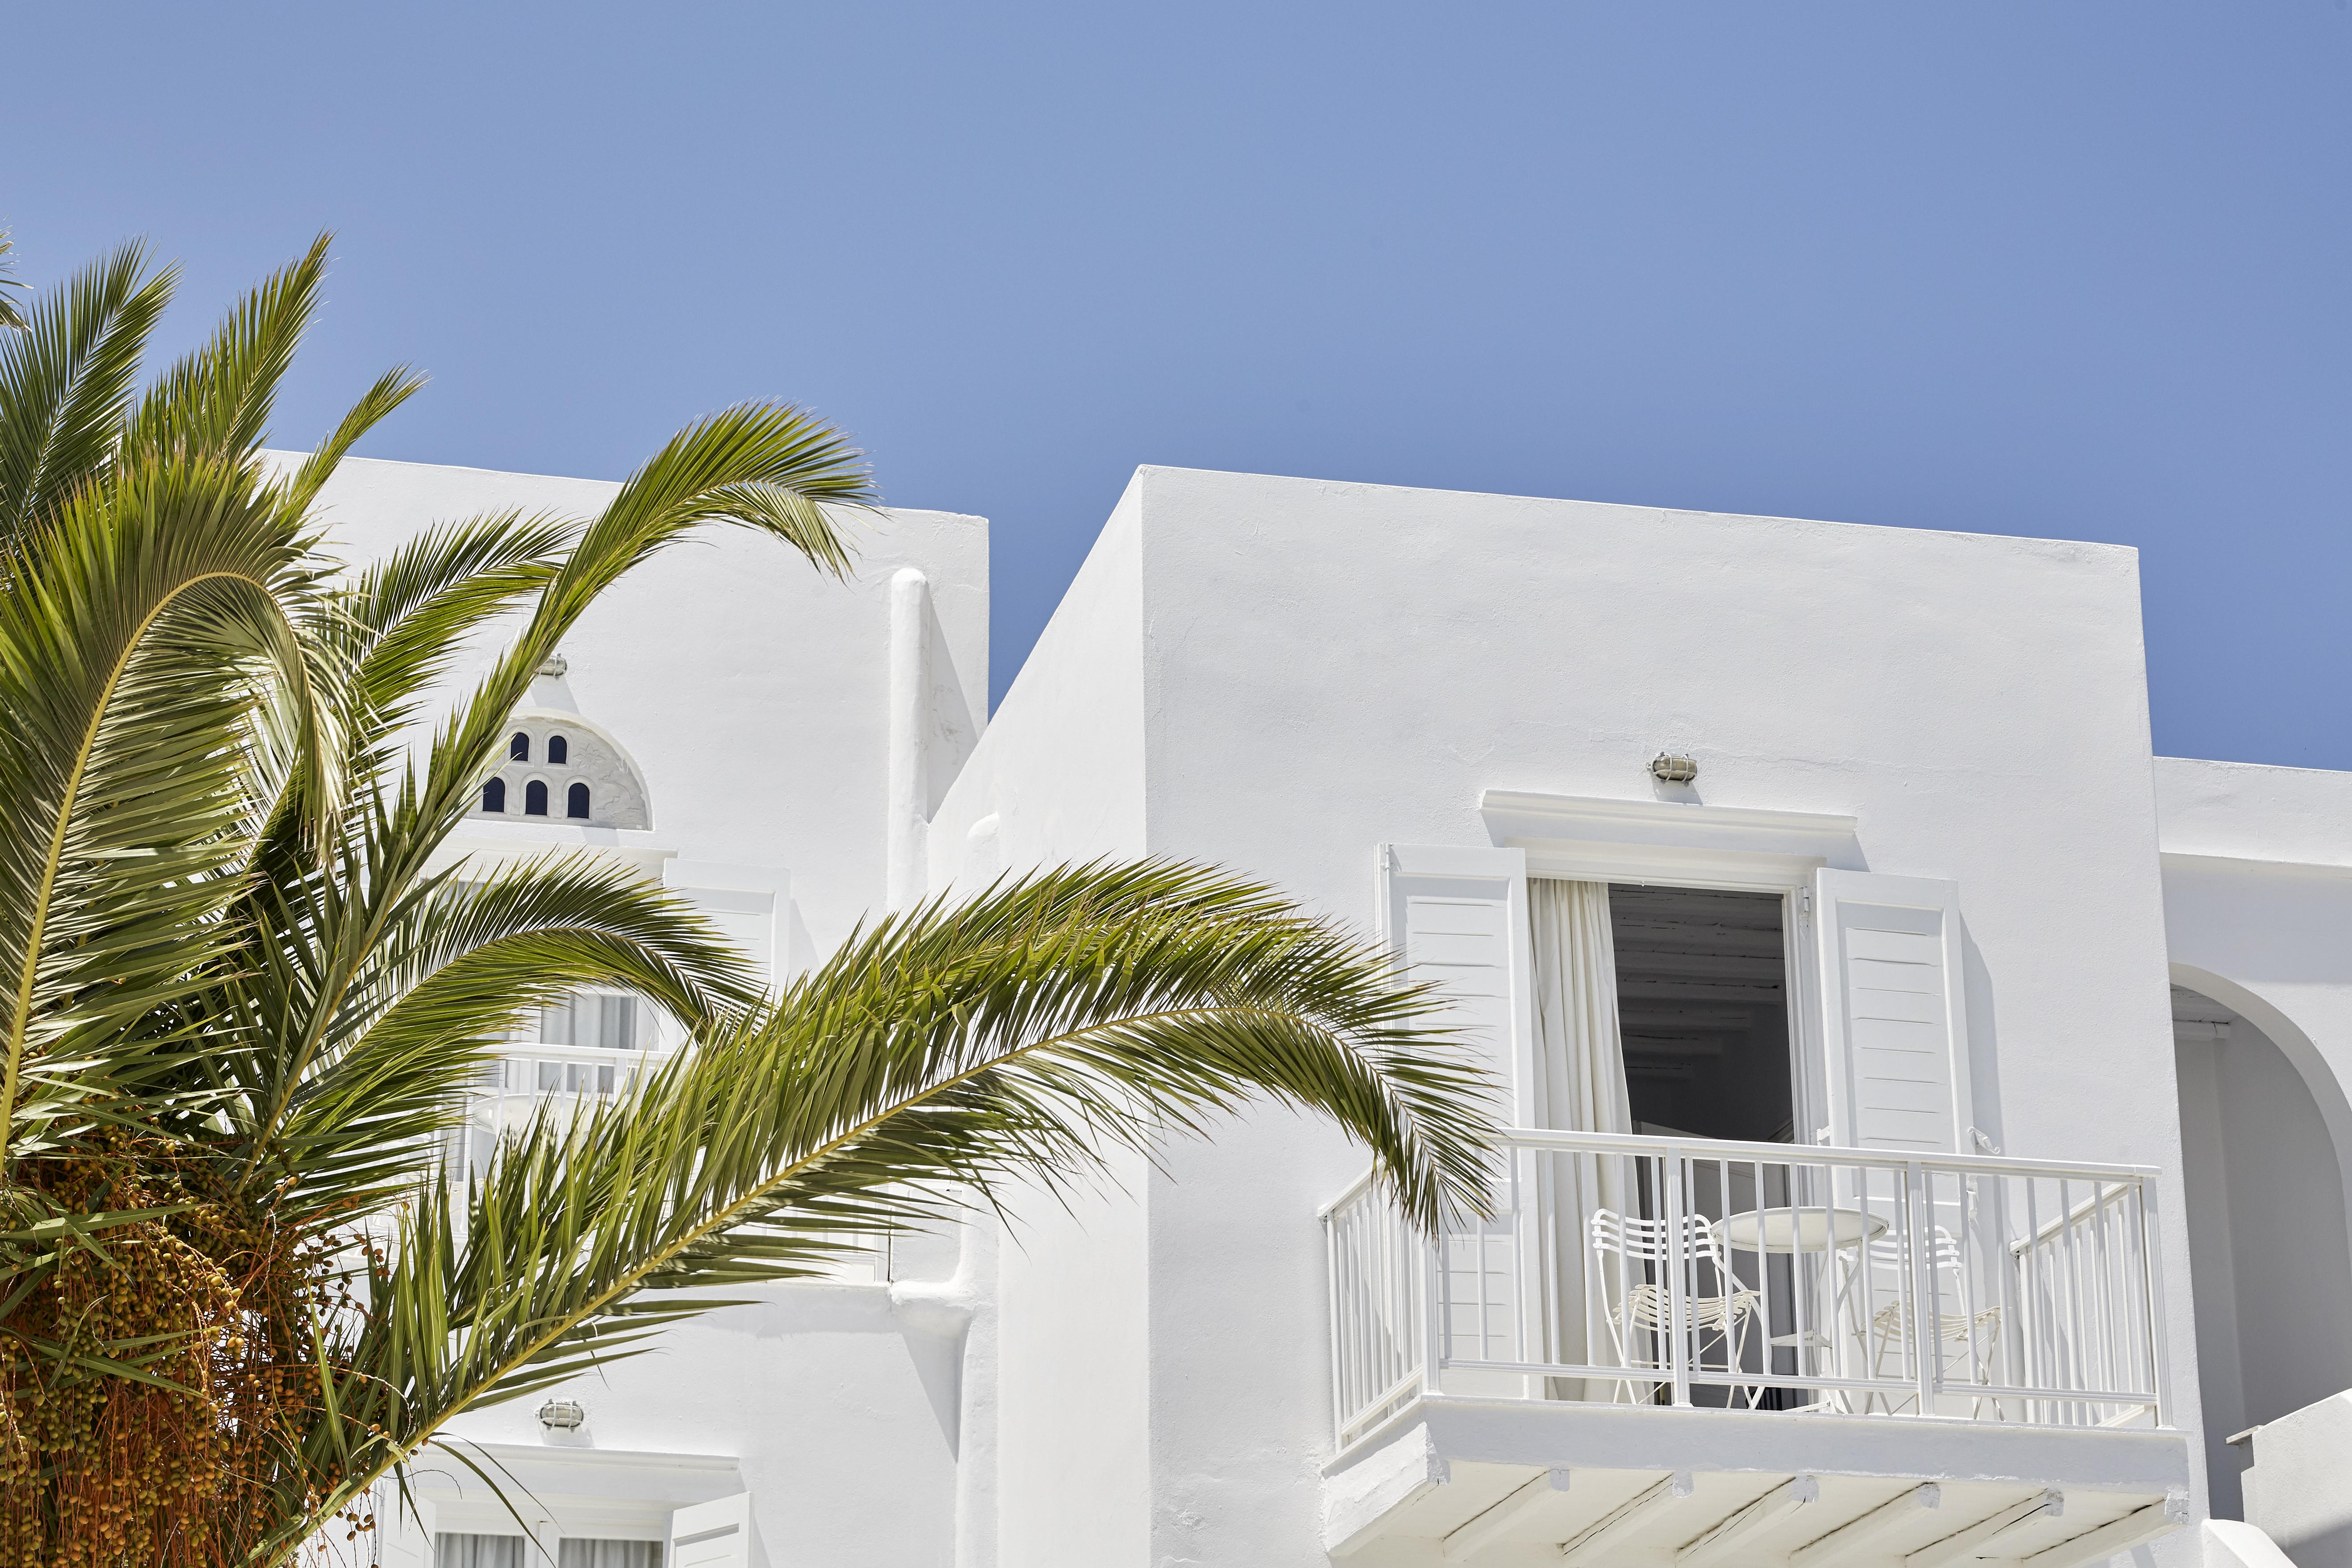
(2073, 269)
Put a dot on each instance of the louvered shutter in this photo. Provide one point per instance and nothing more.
(1458, 917)
(712, 1534)
(1894, 1023)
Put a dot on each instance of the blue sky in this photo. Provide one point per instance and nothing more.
(2077, 269)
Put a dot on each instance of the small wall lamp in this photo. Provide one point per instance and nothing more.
(1672, 770)
(561, 1414)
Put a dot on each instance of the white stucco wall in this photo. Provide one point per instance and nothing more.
(1330, 666)
(1059, 778)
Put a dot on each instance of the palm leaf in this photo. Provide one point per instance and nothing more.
(771, 468)
(937, 1055)
(66, 379)
(11, 313)
(136, 629)
(455, 971)
(216, 401)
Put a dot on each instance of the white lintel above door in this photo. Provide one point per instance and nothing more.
(1656, 840)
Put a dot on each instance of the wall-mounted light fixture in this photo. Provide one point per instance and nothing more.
(562, 1415)
(1672, 770)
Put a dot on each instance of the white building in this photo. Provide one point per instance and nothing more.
(1963, 1241)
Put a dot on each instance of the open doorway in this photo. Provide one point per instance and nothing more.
(1703, 1019)
(1703, 1010)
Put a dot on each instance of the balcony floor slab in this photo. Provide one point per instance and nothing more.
(1496, 1483)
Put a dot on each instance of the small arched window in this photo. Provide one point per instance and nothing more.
(558, 749)
(494, 796)
(575, 801)
(535, 798)
(519, 747)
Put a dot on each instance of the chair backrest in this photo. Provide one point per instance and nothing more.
(1943, 1252)
(1640, 1240)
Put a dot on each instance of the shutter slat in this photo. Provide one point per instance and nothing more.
(712, 1534)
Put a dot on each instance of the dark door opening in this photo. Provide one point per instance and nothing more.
(1703, 1007)
(1703, 1014)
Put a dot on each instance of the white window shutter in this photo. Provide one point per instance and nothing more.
(752, 904)
(1458, 917)
(1894, 1031)
(712, 1534)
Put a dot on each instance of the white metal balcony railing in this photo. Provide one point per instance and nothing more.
(534, 1072)
(1761, 1276)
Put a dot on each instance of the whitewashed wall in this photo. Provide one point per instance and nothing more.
(1064, 1479)
(1328, 666)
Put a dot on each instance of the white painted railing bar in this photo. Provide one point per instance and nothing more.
(1729, 1149)
(1618, 1268)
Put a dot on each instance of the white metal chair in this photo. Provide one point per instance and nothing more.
(1962, 1340)
(1715, 1304)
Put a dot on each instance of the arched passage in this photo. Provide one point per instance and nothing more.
(2269, 1254)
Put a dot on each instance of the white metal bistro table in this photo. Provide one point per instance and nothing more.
(1795, 1230)
(1799, 1229)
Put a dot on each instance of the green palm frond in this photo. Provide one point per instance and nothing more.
(218, 400)
(137, 627)
(66, 380)
(951, 1052)
(771, 467)
(458, 967)
(741, 467)
(391, 390)
(408, 615)
(11, 313)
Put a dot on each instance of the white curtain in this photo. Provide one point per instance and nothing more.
(1580, 1088)
(581, 1553)
(457, 1550)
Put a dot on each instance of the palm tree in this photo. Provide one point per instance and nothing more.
(240, 1007)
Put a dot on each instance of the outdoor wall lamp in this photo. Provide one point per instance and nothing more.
(1674, 770)
(561, 1414)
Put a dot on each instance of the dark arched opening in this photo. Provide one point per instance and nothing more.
(575, 801)
(534, 799)
(519, 747)
(558, 749)
(494, 796)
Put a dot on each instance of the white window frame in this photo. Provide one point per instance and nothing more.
(1662, 844)
(565, 1492)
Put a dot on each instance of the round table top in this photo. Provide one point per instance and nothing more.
(1799, 1229)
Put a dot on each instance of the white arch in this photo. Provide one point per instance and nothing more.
(2319, 1079)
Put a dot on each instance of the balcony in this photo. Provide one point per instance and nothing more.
(1708, 1352)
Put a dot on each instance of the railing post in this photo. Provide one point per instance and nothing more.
(2159, 1349)
(1432, 1309)
(1677, 1293)
(1926, 1327)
